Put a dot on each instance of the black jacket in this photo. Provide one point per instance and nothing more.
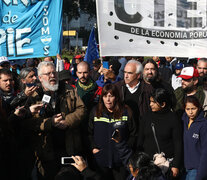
(145, 91)
(168, 132)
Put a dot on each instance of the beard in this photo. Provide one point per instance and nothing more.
(188, 89)
(50, 87)
(83, 81)
(150, 79)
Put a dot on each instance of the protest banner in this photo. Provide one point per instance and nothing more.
(176, 28)
(30, 28)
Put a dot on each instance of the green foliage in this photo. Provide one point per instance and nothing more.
(72, 8)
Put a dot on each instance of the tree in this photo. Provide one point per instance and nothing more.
(73, 7)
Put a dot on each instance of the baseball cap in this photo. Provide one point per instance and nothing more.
(179, 66)
(4, 59)
(188, 73)
(78, 57)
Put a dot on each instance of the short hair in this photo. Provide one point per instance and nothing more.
(139, 67)
(25, 71)
(42, 64)
(84, 63)
(203, 60)
(5, 72)
(139, 160)
(142, 162)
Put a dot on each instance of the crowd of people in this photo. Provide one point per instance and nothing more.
(110, 118)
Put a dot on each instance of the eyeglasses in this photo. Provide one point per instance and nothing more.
(50, 73)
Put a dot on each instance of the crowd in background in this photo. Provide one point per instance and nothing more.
(110, 117)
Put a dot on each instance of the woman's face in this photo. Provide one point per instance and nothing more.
(134, 173)
(109, 101)
(191, 110)
(155, 106)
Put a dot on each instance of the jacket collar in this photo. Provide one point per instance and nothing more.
(199, 118)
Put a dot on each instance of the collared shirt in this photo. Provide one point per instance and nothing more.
(132, 90)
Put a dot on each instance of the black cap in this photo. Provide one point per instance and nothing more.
(64, 75)
(115, 65)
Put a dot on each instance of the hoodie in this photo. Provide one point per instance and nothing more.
(195, 145)
(100, 82)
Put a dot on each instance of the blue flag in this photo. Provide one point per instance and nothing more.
(30, 28)
(92, 50)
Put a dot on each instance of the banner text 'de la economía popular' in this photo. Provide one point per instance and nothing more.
(152, 27)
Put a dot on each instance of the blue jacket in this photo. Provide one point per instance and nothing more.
(100, 82)
(195, 145)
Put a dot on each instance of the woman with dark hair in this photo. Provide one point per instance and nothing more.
(107, 117)
(66, 63)
(142, 168)
(167, 129)
(195, 140)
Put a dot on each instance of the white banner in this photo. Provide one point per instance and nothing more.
(175, 28)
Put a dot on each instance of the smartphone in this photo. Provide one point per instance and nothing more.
(63, 115)
(31, 84)
(105, 64)
(115, 134)
(67, 160)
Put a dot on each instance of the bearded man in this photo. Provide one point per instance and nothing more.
(189, 87)
(57, 125)
(86, 87)
(151, 80)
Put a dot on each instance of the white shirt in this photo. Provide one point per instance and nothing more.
(132, 90)
(176, 82)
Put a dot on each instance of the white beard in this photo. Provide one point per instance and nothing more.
(50, 87)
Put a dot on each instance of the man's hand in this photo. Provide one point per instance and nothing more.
(20, 111)
(62, 124)
(30, 90)
(56, 119)
(59, 122)
(105, 71)
(80, 163)
(175, 171)
(58, 57)
(35, 108)
(95, 150)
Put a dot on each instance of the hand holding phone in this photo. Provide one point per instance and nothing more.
(80, 163)
(116, 136)
(67, 160)
(20, 111)
(31, 84)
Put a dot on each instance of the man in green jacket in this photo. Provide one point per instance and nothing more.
(189, 87)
